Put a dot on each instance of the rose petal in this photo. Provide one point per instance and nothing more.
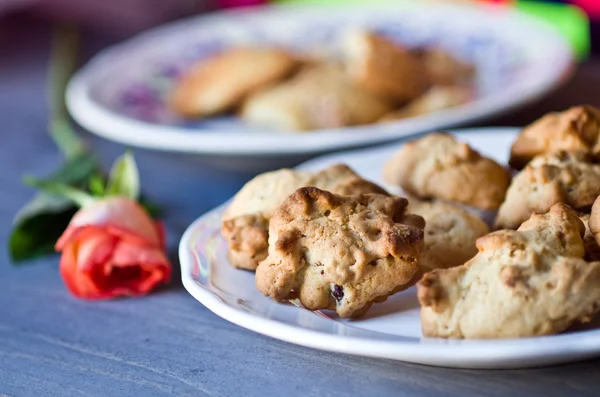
(134, 270)
(120, 213)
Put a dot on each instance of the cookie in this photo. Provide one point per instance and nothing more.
(529, 282)
(450, 234)
(561, 177)
(436, 98)
(246, 220)
(221, 83)
(342, 253)
(575, 129)
(592, 235)
(439, 166)
(383, 68)
(592, 248)
(444, 68)
(318, 98)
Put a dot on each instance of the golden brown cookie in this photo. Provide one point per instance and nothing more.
(575, 129)
(450, 234)
(445, 69)
(383, 68)
(436, 98)
(317, 98)
(529, 282)
(439, 166)
(592, 248)
(592, 236)
(221, 83)
(246, 220)
(342, 253)
(560, 177)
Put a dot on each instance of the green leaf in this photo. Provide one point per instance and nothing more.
(96, 185)
(38, 226)
(79, 197)
(124, 178)
(76, 171)
(67, 140)
(63, 62)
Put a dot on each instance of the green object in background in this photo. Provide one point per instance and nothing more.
(571, 22)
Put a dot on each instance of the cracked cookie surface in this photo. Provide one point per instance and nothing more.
(576, 130)
(342, 253)
(246, 221)
(439, 166)
(561, 177)
(529, 282)
(450, 234)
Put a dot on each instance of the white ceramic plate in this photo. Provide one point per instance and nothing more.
(390, 329)
(121, 93)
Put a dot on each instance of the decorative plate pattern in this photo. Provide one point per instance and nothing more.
(123, 93)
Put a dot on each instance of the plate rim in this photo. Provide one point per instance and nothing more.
(529, 352)
(127, 130)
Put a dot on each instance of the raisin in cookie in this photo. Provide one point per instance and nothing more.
(383, 68)
(439, 166)
(529, 282)
(222, 82)
(342, 253)
(561, 177)
(450, 234)
(575, 129)
(246, 221)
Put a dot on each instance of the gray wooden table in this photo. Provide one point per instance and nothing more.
(168, 344)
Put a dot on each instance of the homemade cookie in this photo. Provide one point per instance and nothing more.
(436, 98)
(246, 220)
(561, 177)
(575, 129)
(383, 68)
(317, 98)
(439, 166)
(342, 253)
(529, 282)
(450, 234)
(592, 236)
(220, 83)
(446, 69)
(592, 248)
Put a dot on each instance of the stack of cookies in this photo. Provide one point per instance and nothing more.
(370, 78)
(335, 241)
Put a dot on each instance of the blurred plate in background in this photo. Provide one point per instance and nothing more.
(121, 93)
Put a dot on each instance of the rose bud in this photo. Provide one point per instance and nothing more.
(112, 248)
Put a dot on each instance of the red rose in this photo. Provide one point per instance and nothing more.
(112, 248)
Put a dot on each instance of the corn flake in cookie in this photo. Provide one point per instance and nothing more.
(439, 166)
(342, 253)
(246, 221)
(561, 177)
(529, 282)
(576, 129)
